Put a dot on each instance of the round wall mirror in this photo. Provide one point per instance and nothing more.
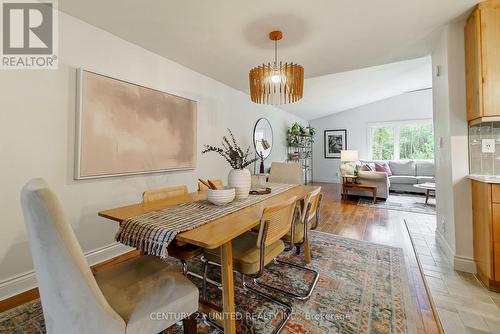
(263, 138)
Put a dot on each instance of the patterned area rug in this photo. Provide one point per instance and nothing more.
(402, 202)
(362, 289)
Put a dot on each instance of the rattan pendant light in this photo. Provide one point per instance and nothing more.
(276, 83)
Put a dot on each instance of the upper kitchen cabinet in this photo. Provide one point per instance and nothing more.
(482, 60)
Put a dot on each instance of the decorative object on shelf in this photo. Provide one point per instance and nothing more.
(276, 83)
(300, 140)
(120, 129)
(335, 142)
(348, 165)
(239, 177)
(263, 140)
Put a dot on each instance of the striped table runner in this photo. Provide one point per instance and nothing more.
(152, 232)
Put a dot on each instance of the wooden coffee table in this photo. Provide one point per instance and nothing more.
(356, 186)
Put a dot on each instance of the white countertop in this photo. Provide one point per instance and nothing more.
(484, 178)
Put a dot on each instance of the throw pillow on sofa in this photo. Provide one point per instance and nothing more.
(403, 167)
(369, 167)
(383, 167)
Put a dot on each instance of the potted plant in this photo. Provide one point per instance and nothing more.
(298, 135)
(239, 177)
(296, 128)
(311, 132)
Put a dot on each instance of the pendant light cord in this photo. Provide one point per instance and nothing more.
(275, 54)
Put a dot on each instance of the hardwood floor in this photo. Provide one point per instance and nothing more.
(345, 218)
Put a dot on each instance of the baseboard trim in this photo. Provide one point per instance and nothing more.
(443, 244)
(460, 263)
(23, 282)
(464, 263)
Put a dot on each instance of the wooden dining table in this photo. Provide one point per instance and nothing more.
(217, 233)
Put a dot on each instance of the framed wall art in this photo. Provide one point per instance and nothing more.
(124, 128)
(335, 141)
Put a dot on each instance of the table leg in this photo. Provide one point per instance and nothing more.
(307, 250)
(374, 196)
(228, 288)
(426, 196)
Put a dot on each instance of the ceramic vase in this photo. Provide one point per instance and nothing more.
(241, 181)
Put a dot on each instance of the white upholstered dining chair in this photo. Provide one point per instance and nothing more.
(141, 295)
(282, 172)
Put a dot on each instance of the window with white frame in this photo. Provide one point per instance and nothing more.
(408, 140)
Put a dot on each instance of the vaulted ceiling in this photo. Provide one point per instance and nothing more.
(328, 94)
(223, 39)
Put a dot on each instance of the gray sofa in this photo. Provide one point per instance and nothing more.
(405, 174)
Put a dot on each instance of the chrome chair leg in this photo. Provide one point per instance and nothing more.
(205, 278)
(288, 308)
(297, 249)
(210, 322)
(184, 267)
(187, 273)
(287, 293)
(206, 319)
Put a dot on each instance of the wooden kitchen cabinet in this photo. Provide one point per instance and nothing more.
(486, 232)
(482, 61)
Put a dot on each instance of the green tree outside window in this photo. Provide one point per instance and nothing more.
(416, 142)
(382, 143)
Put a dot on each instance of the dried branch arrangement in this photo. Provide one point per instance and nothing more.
(234, 155)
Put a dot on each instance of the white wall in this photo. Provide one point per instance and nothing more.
(408, 106)
(454, 210)
(37, 121)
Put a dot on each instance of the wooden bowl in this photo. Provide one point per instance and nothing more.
(221, 196)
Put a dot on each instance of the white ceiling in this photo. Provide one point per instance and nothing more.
(333, 93)
(223, 39)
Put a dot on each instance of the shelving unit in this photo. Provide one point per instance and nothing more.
(302, 153)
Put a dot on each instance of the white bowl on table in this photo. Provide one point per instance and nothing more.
(221, 196)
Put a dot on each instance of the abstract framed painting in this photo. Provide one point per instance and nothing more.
(124, 129)
(335, 141)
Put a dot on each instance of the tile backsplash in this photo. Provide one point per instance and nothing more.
(484, 163)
